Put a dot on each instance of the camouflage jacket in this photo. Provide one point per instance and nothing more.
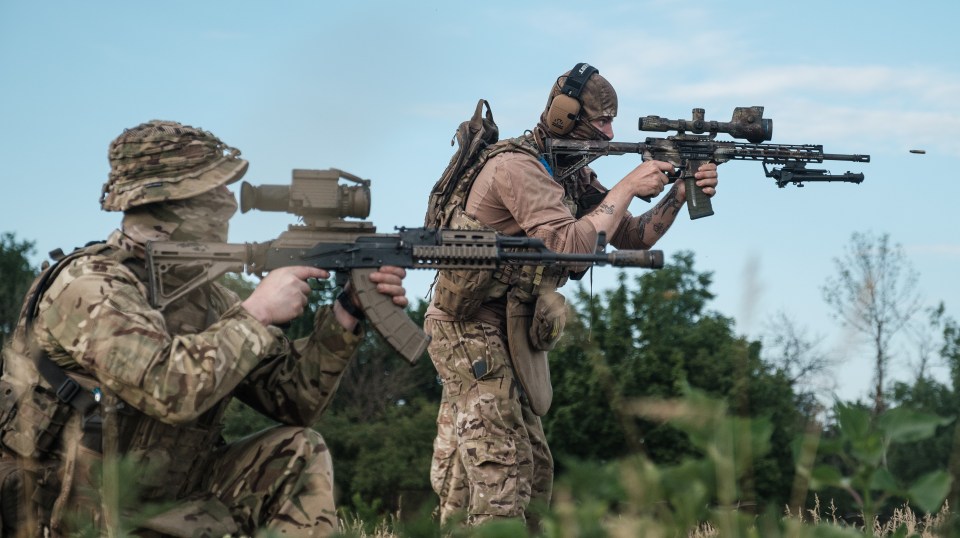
(177, 364)
(174, 371)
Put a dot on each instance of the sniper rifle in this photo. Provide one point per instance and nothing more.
(690, 148)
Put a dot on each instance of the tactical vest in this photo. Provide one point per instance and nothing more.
(460, 292)
(34, 412)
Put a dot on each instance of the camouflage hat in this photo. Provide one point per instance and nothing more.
(159, 161)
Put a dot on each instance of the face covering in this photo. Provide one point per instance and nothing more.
(202, 218)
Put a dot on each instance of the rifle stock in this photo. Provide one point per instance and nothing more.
(349, 251)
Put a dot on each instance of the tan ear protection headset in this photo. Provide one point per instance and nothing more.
(565, 108)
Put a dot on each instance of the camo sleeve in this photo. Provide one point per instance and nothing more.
(96, 314)
(297, 387)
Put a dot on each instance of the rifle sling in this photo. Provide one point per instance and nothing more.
(70, 392)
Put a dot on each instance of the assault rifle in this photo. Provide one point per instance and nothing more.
(354, 249)
(686, 152)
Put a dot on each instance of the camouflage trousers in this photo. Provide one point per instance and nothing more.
(278, 480)
(490, 456)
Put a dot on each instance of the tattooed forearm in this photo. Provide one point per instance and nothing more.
(604, 209)
(659, 219)
(642, 222)
(670, 202)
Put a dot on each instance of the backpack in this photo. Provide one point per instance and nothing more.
(478, 140)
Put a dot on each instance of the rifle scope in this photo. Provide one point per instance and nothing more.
(312, 194)
(747, 123)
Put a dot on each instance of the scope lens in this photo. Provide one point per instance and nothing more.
(264, 197)
(355, 202)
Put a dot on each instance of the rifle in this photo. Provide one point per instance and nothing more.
(326, 240)
(686, 152)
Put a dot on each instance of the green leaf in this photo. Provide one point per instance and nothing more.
(853, 421)
(824, 476)
(883, 480)
(868, 449)
(929, 491)
(901, 425)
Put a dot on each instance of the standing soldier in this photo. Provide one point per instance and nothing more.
(95, 373)
(491, 331)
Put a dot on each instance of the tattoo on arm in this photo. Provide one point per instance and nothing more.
(604, 209)
(642, 222)
(669, 202)
(661, 217)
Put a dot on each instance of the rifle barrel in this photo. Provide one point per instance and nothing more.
(842, 157)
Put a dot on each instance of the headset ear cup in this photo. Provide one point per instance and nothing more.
(563, 113)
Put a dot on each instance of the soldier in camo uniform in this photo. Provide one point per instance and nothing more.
(94, 373)
(491, 330)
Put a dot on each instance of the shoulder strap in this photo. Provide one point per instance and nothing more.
(472, 137)
(66, 389)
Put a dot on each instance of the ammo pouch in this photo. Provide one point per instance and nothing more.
(549, 319)
(31, 420)
(460, 292)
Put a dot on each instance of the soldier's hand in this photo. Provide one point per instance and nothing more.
(389, 281)
(648, 179)
(707, 177)
(282, 295)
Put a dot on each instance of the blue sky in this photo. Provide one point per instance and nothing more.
(377, 88)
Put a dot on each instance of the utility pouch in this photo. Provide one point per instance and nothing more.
(549, 319)
(460, 292)
(11, 495)
(31, 421)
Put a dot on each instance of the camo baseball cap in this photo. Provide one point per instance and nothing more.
(160, 160)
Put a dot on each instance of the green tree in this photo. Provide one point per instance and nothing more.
(654, 339)
(17, 276)
(383, 463)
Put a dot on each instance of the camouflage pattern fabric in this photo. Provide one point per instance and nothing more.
(204, 217)
(176, 371)
(490, 457)
(282, 476)
(160, 161)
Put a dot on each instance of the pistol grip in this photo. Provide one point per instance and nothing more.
(388, 319)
